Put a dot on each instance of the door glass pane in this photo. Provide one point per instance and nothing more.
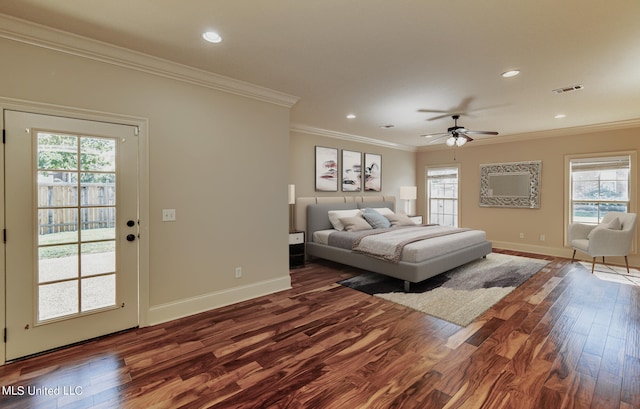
(57, 189)
(57, 299)
(98, 189)
(98, 258)
(98, 292)
(57, 226)
(98, 223)
(76, 224)
(57, 263)
(57, 152)
(98, 154)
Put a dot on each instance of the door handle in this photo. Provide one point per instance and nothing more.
(131, 237)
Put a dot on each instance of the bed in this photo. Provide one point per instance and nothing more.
(423, 259)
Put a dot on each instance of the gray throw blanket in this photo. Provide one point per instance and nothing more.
(388, 245)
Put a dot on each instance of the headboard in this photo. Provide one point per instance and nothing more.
(311, 212)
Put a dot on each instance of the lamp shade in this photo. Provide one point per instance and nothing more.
(292, 194)
(408, 192)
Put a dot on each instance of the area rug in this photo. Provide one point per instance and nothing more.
(459, 295)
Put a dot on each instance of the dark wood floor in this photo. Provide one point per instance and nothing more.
(564, 339)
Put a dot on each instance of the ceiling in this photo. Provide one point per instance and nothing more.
(385, 60)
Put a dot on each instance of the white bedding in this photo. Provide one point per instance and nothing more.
(322, 236)
(423, 250)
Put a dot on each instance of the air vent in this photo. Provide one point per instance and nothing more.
(568, 89)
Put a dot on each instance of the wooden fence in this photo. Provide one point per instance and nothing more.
(60, 208)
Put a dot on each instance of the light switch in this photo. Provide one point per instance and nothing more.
(168, 215)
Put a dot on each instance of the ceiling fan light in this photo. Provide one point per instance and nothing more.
(461, 140)
(451, 141)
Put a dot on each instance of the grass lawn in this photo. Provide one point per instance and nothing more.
(65, 244)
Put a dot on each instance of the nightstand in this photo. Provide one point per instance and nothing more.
(416, 219)
(296, 249)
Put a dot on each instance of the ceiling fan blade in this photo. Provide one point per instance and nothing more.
(481, 132)
(444, 115)
(433, 111)
(436, 139)
(433, 135)
(469, 139)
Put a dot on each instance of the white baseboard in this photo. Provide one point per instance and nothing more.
(170, 311)
(565, 252)
(532, 248)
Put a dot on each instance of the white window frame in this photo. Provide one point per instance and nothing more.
(428, 193)
(633, 183)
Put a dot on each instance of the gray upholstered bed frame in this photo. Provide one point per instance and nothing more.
(317, 219)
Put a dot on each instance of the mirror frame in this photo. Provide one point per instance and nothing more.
(532, 168)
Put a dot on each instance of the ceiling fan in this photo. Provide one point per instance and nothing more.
(462, 109)
(456, 135)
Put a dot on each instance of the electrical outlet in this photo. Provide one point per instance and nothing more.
(522, 235)
(168, 215)
(542, 238)
(238, 272)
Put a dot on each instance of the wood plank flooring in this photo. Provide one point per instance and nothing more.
(564, 339)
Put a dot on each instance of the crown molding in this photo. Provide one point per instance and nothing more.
(310, 130)
(26, 32)
(549, 133)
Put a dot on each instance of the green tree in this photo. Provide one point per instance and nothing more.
(60, 153)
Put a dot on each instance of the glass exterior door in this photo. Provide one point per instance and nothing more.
(72, 230)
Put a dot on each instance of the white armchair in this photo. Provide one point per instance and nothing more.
(612, 237)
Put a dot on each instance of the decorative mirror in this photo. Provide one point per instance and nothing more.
(515, 184)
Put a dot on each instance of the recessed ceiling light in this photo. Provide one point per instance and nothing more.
(560, 116)
(351, 116)
(212, 37)
(510, 73)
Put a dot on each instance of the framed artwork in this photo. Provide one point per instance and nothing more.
(326, 169)
(351, 171)
(372, 172)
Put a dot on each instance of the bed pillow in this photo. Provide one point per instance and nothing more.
(355, 223)
(382, 210)
(335, 215)
(399, 220)
(375, 219)
(613, 224)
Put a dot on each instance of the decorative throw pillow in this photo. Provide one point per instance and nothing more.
(375, 219)
(355, 223)
(382, 210)
(398, 219)
(335, 215)
(613, 224)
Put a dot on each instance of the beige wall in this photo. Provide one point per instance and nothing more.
(220, 160)
(398, 166)
(504, 225)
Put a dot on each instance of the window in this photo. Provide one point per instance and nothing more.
(599, 185)
(442, 195)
